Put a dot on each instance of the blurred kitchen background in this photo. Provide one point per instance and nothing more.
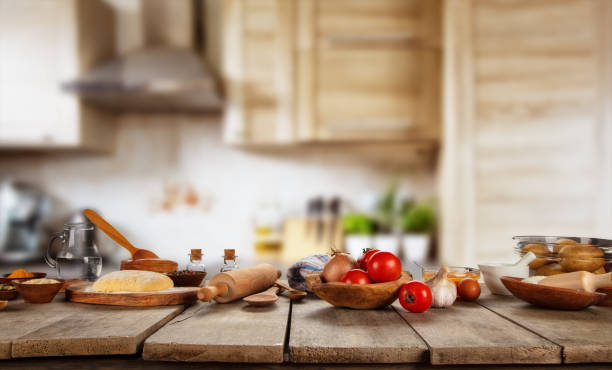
(280, 128)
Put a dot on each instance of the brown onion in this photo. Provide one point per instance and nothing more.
(337, 267)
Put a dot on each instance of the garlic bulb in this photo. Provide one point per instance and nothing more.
(444, 291)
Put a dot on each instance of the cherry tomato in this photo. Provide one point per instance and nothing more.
(384, 266)
(365, 257)
(356, 276)
(415, 296)
(468, 289)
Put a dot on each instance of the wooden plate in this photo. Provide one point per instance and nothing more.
(607, 301)
(82, 293)
(551, 297)
(358, 296)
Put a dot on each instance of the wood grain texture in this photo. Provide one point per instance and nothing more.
(321, 333)
(586, 335)
(232, 332)
(468, 333)
(60, 328)
(82, 293)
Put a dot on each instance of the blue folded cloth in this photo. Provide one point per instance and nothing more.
(297, 273)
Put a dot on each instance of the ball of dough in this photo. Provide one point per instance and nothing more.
(581, 258)
(132, 281)
(541, 252)
(562, 243)
(550, 269)
(599, 271)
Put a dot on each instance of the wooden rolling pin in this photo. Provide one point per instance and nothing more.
(232, 285)
(579, 280)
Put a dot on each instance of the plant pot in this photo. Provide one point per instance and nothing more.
(415, 247)
(355, 244)
(387, 243)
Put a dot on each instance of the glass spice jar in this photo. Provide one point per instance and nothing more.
(195, 261)
(229, 260)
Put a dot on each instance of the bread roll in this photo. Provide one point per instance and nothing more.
(581, 258)
(550, 269)
(562, 243)
(541, 252)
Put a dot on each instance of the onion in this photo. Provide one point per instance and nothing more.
(337, 267)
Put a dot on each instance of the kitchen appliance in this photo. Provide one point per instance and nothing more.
(22, 210)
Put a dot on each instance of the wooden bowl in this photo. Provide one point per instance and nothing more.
(358, 296)
(38, 293)
(6, 280)
(192, 279)
(607, 300)
(8, 295)
(150, 264)
(551, 297)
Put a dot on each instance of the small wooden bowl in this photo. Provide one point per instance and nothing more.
(181, 280)
(150, 264)
(551, 297)
(607, 301)
(38, 293)
(6, 280)
(8, 295)
(358, 296)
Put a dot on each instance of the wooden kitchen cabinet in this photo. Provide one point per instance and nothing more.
(42, 44)
(528, 124)
(341, 70)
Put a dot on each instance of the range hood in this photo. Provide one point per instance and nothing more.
(157, 77)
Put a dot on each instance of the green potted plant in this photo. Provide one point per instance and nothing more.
(358, 229)
(418, 222)
(385, 236)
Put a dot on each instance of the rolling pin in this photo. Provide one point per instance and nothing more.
(579, 280)
(232, 285)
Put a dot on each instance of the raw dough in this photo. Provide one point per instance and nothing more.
(132, 281)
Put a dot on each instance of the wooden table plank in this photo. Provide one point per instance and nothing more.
(62, 328)
(321, 333)
(468, 333)
(231, 332)
(585, 335)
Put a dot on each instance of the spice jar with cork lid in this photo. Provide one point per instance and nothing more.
(195, 261)
(229, 260)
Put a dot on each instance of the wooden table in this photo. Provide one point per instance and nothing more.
(494, 330)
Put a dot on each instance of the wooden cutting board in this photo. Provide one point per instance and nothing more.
(82, 293)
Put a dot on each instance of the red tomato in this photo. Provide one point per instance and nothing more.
(468, 289)
(356, 276)
(415, 296)
(365, 257)
(384, 266)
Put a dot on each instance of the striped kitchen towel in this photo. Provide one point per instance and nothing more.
(297, 273)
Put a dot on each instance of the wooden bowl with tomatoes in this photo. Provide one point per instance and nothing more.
(357, 296)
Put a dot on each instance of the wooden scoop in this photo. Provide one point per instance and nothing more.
(579, 280)
(294, 294)
(265, 298)
(137, 254)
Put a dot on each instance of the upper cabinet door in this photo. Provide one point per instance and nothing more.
(368, 70)
(331, 70)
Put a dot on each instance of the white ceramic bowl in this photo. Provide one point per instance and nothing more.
(494, 271)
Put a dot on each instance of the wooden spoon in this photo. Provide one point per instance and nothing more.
(137, 254)
(265, 298)
(294, 294)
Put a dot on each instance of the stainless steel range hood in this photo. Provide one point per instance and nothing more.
(158, 77)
